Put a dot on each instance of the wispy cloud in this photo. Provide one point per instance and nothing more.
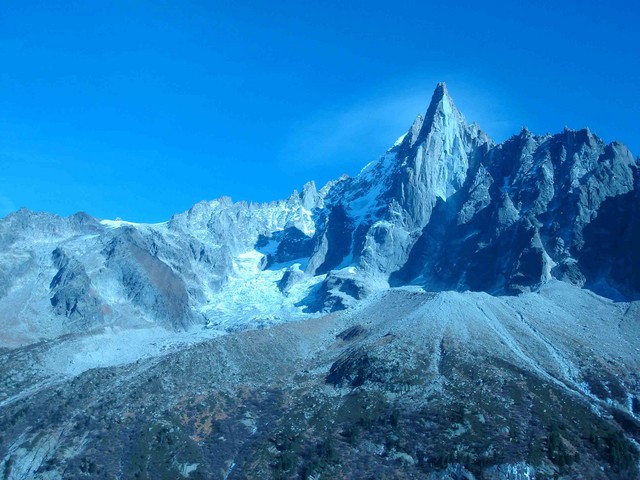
(359, 131)
(355, 133)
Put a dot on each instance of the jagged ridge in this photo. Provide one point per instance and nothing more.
(445, 208)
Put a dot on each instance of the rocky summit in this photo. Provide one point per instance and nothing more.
(460, 309)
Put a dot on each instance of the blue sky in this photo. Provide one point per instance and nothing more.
(140, 109)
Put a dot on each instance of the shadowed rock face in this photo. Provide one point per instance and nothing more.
(72, 294)
(149, 282)
(333, 244)
(536, 208)
(611, 243)
(444, 208)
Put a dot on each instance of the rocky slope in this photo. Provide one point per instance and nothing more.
(408, 384)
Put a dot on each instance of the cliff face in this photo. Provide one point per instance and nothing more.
(529, 212)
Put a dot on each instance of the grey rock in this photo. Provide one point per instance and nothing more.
(148, 281)
(291, 276)
(72, 294)
(517, 471)
(333, 242)
(452, 472)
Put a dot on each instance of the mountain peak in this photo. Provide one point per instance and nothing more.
(440, 91)
(442, 104)
(442, 116)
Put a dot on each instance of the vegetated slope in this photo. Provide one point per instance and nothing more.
(408, 384)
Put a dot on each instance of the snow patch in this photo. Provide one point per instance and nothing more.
(124, 223)
(399, 140)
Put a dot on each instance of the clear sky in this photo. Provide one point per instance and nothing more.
(140, 109)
